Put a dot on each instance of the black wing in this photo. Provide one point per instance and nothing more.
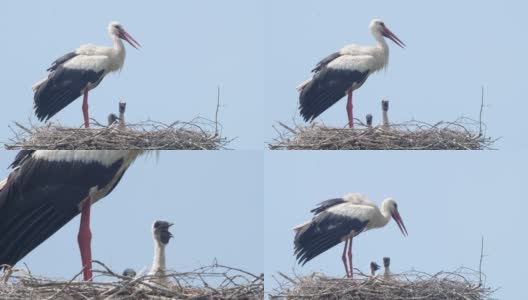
(325, 61)
(323, 233)
(326, 88)
(21, 156)
(327, 204)
(62, 87)
(39, 199)
(59, 61)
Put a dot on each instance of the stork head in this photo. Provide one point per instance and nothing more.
(112, 119)
(116, 29)
(386, 262)
(374, 267)
(378, 29)
(390, 205)
(129, 272)
(161, 233)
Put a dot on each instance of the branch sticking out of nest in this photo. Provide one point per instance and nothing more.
(412, 135)
(460, 285)
(198, 134)
(212, 282)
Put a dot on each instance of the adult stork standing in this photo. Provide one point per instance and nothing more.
(343, 72)
(48, 188)
(77, 72)
(340, 220)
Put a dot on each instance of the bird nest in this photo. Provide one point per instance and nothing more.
(198, 134)
(214, 282)
(462, 134)
(463, 284)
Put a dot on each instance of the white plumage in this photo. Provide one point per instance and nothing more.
(343, 72)
(341, 219)
(77, 72)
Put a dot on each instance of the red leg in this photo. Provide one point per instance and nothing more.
(85, 109)
(85, 238)
(344, 258)
(349, 110)
(350, 258)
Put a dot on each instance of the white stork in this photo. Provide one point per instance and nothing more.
(114, 120)
(48, 188)
(161, 236)
(344, 71)
(373, 268)
(386, 264)
(341, 219)
(77, 72)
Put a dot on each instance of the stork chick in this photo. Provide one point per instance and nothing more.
(385, 109)
(112, 120)
(386, 264)
(129, 272)
(161, 236)
(122, 108)
(373, 268)
(369, 121)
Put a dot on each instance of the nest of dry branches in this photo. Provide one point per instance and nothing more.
(461, 285)
(198, 134)
(462, 134)
(215, 282)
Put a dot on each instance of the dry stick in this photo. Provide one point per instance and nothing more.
(481, 108)
(481, 258)
(217, 108)
(65, 286)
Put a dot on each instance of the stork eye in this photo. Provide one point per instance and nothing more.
(382, 24)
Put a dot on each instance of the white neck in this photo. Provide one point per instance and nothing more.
(383, 218)
(387, 271)
(121, 120)
(118, 53)
(382, 52)
(158, 264)
(385, 118)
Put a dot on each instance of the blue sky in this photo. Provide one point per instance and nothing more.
(215, 216)
(448, 201)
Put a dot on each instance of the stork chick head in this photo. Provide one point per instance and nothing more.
(392, 207)
(386, 262)
(116, 29)
(378, 29)
(112, 119)
(374, 267)
(161, 233)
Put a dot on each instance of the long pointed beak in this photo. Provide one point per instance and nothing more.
(387, 33)
(396, 216)
(127, 37)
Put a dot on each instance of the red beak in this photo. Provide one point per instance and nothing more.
(127, 37)
(396, 216)
(387, 33)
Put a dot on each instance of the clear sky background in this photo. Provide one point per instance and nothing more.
(448, 201)
(215, 215)
(189, 49)
(453, 48)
